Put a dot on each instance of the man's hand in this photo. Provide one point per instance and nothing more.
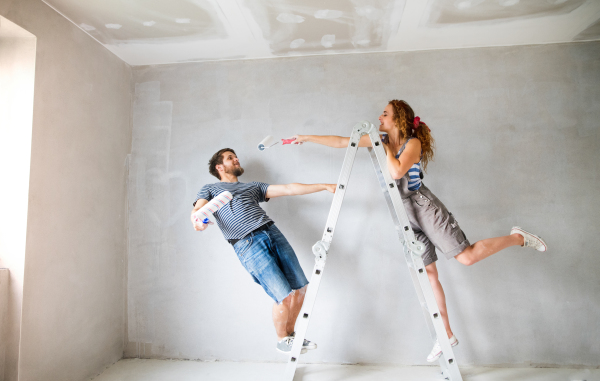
(330, 187)
(196, 223)
(199, 226)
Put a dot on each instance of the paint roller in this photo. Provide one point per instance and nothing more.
(204, 213)
(269, 142)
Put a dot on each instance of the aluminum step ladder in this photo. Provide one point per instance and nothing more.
(412, 251)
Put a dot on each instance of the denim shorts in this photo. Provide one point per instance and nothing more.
(272, 262)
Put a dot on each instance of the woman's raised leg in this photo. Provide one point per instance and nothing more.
(486, 247)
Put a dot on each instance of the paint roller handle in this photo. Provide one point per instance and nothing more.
(287, 141)
(298, 139)
(202, 225)
(204, 221)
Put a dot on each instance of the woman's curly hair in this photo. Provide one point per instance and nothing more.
(404, 117)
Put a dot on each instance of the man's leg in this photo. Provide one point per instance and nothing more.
(281, 314)
(295, 306)
(286, 313)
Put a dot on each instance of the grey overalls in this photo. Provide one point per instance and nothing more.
(432, 223)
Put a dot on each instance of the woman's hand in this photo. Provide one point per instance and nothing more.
(386, 149)
(331, 187)
(299, 139)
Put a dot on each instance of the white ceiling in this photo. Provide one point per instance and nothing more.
(143, 32)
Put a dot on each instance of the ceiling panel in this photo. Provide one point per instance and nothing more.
(466, 11)
(146, 32)
(322, 26)
(114, 21)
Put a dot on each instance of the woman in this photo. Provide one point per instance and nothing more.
(409, 148)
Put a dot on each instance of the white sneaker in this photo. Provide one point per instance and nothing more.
(436, 352)
(531, 240)
(307, 344)
(285, 345)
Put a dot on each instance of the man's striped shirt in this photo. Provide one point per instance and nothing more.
(243, 214)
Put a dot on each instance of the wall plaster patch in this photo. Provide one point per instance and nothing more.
(328, 14)
(328, 40)
(148, 198)
(87, 27)
(288, 18)
(297, 43)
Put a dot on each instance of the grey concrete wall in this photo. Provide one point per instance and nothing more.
(74, 293)
(517, 136)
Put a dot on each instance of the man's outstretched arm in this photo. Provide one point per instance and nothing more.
(296, 189)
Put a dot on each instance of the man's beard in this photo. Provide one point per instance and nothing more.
(236, 171)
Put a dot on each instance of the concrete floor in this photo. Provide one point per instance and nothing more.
(171, 370)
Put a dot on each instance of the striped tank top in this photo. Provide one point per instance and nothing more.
(414, 172)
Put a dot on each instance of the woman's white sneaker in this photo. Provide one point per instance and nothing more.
(530, 240)
(436, 352)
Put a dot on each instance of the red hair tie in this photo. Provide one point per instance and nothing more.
(417, 124)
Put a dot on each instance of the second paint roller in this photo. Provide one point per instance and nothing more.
(270, 141)
(203, 214)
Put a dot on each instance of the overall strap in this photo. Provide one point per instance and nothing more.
(403, 147)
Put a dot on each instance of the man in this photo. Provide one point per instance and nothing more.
(261, 248)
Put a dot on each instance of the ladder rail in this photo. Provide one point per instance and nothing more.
(412, 250)
(321, 248)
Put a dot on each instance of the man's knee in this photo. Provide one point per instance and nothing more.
(302, 291)
(288, 299)
(296, 295)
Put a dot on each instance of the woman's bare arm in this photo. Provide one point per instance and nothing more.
(410, 155)
(296, 189)
(331, 140)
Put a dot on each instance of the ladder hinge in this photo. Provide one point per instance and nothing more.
(320, 250)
